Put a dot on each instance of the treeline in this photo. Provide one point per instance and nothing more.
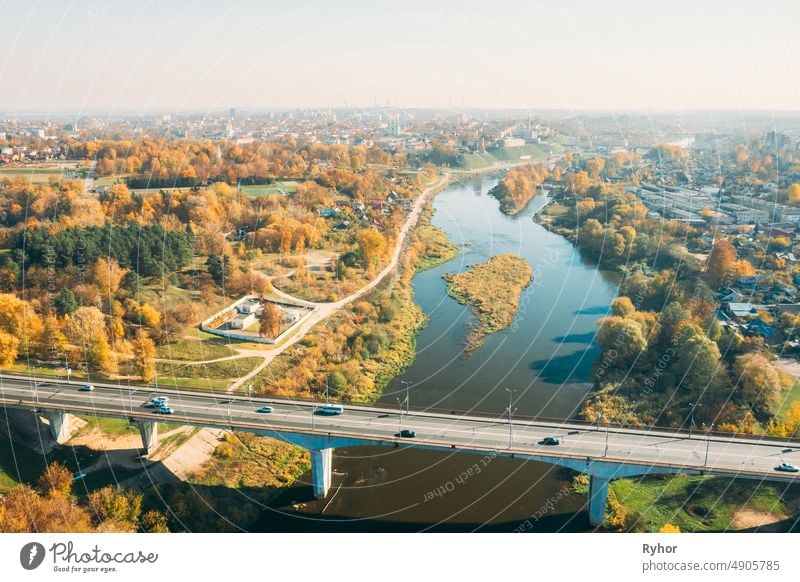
(52, 507)
(666, 360)
(148, 250)
(518, 187)
(169, 161)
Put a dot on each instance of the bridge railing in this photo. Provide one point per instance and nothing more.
(682, 431)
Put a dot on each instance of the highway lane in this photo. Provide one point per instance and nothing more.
(716, 454)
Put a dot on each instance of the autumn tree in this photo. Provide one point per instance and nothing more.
(107, 275)
(372, 245)
(84, 323)
(758, 382)
(23, 510)
(270, 320)
(622, 307)
(621, 338)
(87, 330)
(52, 343)
(18, 319)
(153, 521)
(99, 356)
(56, 479)
(697, 364)
(793, 195)
(9, 348)
(144, 353)
(721, 263)
(115, 509)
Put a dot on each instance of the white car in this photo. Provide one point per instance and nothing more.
(159, 401)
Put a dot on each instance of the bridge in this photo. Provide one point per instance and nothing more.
(604, 453)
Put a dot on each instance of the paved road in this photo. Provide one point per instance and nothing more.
(718, 455)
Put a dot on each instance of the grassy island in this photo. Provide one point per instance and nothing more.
(518, 187)
(493, 290)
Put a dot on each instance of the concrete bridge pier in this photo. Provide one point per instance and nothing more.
(61, 425)
(321, 471)
(149, 433)
(321, 450)
(598, 498)
(601, 473)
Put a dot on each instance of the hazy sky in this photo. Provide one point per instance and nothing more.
(567, 54)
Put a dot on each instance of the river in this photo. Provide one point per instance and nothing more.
(545, 358)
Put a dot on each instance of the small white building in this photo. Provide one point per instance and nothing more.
(242, 320)
(249, 307)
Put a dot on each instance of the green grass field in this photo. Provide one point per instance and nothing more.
(210, 384)
(110, 426)
(278, 187)
(108, 180)
(194, 350)
(226, 369)
(35, 174)
(786, 398)
(693, 503)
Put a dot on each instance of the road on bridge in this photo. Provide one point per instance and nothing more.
(718, 454)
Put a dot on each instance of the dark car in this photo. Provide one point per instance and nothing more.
(407, 434)
(550, 441)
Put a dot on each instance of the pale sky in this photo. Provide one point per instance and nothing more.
(567, 54)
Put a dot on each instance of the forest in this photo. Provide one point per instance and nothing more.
(666, 359)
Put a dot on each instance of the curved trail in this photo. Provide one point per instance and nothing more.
(323, 311)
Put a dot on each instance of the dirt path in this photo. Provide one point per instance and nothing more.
(790, 366)
(324, 310)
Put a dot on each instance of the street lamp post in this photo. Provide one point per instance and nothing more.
(510, 417)
(708, 441)
(605, 452)
(400, 421)
(691, 417)
(407, 384)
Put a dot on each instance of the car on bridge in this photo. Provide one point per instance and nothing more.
(550, 441)
(265, 409)
(159, 401)
(406, 434)
(331, 409)
(787, 468)
(165, 410)
(86, 388)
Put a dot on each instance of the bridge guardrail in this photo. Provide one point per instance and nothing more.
(488, 415)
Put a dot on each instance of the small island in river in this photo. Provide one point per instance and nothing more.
(518, 187)
(493, 291)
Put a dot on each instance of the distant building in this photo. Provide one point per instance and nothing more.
(740, 309)
(744, 215)
(513, 142)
